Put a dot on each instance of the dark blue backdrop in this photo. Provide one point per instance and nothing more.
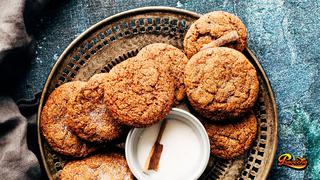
(284, 35)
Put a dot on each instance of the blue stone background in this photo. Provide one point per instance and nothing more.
(284, 35)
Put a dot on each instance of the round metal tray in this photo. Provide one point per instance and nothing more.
(121, 36)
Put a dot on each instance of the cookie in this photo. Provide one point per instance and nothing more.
(171, 58)
(53, 122)
(89, 116)
(211, 26)
(139, 92)
(102, 166)
(230, 140)
(221, 83)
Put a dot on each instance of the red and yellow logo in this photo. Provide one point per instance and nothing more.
(287, 160)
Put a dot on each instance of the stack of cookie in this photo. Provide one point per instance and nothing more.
(74, 120)
(80, 116)
(221, 84)
(141, 90)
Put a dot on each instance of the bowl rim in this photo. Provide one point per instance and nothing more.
(198, 128)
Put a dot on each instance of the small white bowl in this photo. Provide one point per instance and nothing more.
(187, 118)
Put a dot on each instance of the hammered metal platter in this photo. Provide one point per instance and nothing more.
(121, 36)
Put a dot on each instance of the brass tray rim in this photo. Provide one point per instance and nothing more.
(134, 11)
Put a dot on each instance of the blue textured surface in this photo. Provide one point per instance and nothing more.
(284, 35)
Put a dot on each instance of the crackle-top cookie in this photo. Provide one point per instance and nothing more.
(101, 166)
(89, 115)
(53, 122)
(210, 27)
(139, 92)
(171, 58)
(230, 140)
(221, 83)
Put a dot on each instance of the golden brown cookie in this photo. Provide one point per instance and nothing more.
(54, 122)
(221, 83)
(230, 140)
(89, 116)
(102, 166)
(139, 92)
(171, 58)
(211, 26)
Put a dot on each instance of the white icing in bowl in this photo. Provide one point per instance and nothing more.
(186, 148)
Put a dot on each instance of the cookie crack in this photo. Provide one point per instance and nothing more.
(228, 137)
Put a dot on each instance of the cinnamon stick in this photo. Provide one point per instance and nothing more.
(225, 39)
(153, 159)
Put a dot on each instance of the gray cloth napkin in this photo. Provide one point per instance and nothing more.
(15, 50)
(16, 160)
